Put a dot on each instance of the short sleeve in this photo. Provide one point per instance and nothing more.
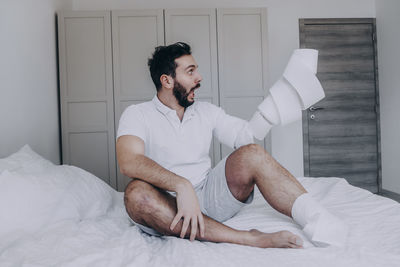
(231, 131)
(132, 122)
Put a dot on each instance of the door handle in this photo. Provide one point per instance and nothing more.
(315, 108)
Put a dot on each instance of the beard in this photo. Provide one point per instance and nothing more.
(181, 95)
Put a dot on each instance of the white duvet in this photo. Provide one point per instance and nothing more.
(84, 224)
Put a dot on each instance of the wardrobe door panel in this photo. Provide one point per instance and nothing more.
(86, 61)
(242, 62)
(135, 35)
(87, 116)
(241, 54)
(86, 92)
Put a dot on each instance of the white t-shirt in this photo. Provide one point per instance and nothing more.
(182, 146)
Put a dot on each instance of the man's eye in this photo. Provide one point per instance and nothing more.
(190, 71)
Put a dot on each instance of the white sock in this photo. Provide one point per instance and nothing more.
(319, 225)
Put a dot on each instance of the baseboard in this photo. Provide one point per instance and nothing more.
(390, 194)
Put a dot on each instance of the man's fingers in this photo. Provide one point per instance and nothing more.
(185, 227)
(175, 221)
(194, 229)
(201, 225)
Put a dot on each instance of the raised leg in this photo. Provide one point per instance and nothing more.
(250, 165)
(155, 208)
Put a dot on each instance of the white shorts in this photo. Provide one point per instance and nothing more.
(215, 199)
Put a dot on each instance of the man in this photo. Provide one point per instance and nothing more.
(163, 145)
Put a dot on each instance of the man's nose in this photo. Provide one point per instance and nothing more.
(199, 78)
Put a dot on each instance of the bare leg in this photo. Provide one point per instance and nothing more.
(251, 165)
(155, 208)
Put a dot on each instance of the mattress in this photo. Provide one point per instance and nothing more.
(80, 235)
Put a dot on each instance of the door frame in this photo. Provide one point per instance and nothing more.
(302, 24)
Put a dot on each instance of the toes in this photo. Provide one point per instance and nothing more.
(296, 241)
(294, 246)
(293, 240)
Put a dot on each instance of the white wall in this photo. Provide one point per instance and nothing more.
(283, 37)
(28, 83)
(388, 31)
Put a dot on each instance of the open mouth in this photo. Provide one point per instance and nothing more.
(191, 93)
(194, 88)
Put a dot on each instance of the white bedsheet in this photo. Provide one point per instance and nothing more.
(110, 240)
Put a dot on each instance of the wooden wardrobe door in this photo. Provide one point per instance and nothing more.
(198, 28)
(135, 35)
(341, 134)
(242, 62)
(86, 91)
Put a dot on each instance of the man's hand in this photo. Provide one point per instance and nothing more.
(189, 210)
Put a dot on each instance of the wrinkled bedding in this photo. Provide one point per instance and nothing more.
(103, 236)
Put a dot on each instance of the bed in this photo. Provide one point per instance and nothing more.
(64, 216)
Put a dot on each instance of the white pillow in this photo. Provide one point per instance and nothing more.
(87, 196)
(26, 203)
(35, 193)
(24, 160)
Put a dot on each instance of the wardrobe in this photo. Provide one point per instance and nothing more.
(103, 69)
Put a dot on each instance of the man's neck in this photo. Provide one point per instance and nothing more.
(171, 102)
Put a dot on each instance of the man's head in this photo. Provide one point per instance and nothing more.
(163, 61)
(174, 67)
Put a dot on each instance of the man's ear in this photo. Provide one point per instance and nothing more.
(167, 81)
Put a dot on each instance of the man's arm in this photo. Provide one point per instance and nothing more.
(296, 90)
(133, 163)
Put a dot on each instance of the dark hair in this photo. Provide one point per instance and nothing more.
(163, 61)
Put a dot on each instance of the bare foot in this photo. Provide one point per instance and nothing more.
(282, 239)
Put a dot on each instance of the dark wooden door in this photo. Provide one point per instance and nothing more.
(341, 132)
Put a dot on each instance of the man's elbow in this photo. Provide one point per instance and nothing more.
(123, 169)
(126, 167)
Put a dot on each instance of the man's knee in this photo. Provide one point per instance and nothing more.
(254, 148)
(242, 166)
(253, 153)
(138, 198)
